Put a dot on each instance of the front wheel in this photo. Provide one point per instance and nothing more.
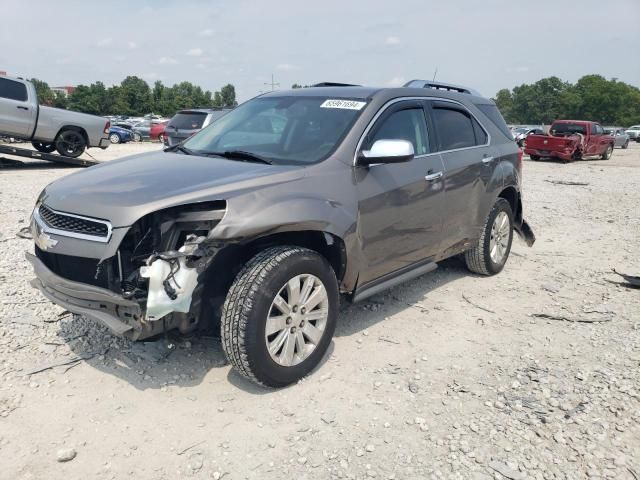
(279, 315)
(626, 145)
(534, 157)
(115, 138)
(70, 143)
(137, 137)
(492, 251)
(607, 153)
(44, 147)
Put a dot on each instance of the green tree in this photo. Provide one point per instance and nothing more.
(504, 101)
(45, 94)
(60, 100)
(137, 94)
(228, 96)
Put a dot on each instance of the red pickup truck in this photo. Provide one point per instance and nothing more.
(571, 140)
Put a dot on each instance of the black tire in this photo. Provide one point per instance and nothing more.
(626, 145)
(137, 137)
(607, 153)
(249, 302)
(44, 147)
(114, 138)
(478, 259)
(534, 157)
(70, 143)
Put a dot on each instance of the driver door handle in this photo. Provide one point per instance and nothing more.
(487, 160)
(22, 108)
(433, 176)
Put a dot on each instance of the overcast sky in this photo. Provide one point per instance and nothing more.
(485, 44)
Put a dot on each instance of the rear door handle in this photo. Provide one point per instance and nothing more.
(433, 176)
(487, 160)
(22, 108)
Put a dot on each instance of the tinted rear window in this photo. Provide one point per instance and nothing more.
(493, 114)
(567, 129)
(455, 129)
(13, 90)
(188, 121)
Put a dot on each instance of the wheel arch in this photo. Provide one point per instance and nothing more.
(511, 195)
(76, 128)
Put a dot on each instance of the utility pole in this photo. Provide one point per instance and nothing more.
(273, 84)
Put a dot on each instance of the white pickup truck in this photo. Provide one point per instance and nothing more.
(48, 129)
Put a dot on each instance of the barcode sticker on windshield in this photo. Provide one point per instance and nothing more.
(348, 104)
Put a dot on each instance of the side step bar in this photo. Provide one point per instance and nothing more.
(391, 280)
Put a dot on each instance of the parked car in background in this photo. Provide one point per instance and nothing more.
(47, 128)
(122, 124)
(344, 196)
(187, 122)
(157, 129)
(571, 140)
(142, 130)
(621, 137)
(520, 134)
(120, 135)
(634, 132)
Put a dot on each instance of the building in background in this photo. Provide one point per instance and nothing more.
(66, 91)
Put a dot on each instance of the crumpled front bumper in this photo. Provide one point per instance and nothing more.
(120, 315)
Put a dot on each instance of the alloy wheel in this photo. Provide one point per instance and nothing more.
(499, 241)
(297, 319)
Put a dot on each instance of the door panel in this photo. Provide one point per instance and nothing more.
(469, 171)
(400, 211)
(16, 113)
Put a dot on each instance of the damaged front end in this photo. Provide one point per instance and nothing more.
(152, 284)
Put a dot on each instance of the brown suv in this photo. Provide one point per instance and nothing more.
(263, 220)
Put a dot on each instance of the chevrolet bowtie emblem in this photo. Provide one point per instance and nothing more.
(45, 242)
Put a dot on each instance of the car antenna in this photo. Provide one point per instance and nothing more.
(434, 75)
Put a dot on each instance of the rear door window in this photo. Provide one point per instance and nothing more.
(456, 128)
(188, 120)
(13, 90)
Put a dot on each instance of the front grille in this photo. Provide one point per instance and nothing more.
(77, 269)
(68, 223)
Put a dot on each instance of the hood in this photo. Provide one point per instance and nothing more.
(125, 190)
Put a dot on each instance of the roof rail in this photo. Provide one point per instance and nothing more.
(334, 84)
(440, 86)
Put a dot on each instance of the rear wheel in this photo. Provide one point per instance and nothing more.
(607, 153)
(534, 157)
(626, 145)
(115, 138)
(71, 143)
(137, 137)
(44, 147)
(279, 315)
(492, 251)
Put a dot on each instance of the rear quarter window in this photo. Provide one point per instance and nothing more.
(13, 90)
(492, 113)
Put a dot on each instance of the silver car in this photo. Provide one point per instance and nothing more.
(620, 136)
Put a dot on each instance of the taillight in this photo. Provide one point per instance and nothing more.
(107, 127)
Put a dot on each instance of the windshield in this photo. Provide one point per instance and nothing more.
(567, 129)
(283, 130)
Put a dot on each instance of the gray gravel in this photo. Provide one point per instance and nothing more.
(420, 382)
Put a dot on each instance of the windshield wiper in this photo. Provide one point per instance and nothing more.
(179, 148)
(240, 155)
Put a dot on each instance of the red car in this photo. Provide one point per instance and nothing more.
(157, 129)
(571, 140)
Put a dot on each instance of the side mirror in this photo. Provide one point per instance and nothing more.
(387, 151)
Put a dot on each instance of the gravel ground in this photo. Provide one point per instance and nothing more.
(448, 376)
